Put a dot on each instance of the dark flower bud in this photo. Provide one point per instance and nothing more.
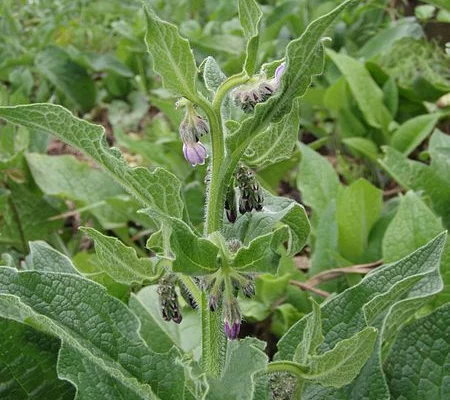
(168, 299)
(232, 318)
(187, 295)
(230, 204)
(248, 288)
(251, 195)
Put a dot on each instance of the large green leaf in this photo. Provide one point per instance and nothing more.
(385, 299)
(121, 262)
(28, 364)
(413, 226)
(276, 143)
(159, 188)
(358, 208)
(367, 94)
(101, 353)
(68, 76)
(244, 359)
(172, 56)
(304, 58)
(418, 364)
(317, 180)
(45, 258)
(250, 17)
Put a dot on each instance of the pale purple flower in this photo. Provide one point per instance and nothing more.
(279, 72)
(232, 318)
(195, 153)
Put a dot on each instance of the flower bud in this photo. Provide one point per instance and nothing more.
(248, 288)
(230, 204)
(187, 295)
(251, 195)
(232, 318)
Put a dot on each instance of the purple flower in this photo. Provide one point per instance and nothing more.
(279, 72)
(194, 152)
(232, 331)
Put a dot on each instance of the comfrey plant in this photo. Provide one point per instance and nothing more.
(151, 347)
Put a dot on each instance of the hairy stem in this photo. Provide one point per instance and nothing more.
(292, 368)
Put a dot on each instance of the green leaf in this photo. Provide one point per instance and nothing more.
(304, 59)
(250, 16)
(101, 352)
(413, 132)
(364, 146)
(76, 180)
(358, 208)
(194, 255)
(212, 74)
(261, 253)
(172, 56)
(68, 76)
(244, 359)
(413, 226)
(312, 336)
(433, 179)
(367, 94)
(120, 262)
(317, 180)
(45, 258)
(161, 335)
(418, 363)
(339, 366)
(28, 364)
(159, 188)
(276, 143)
(385, 299)
(276, 211)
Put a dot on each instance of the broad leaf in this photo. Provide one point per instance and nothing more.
(358, 208)
(339, 366)
(194, 255)
(244, 359)
(28, 364)
(101, 353)
(317, 180)
(276, 143)
(45, 258)
(418, 362)
(172, 56)
(121, 262)
(159, 188)
(68, 76)
(250, 17)
(276, 210)
(304, 59)
(385, 299)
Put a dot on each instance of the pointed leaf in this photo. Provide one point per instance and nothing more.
(172, 56)
(121, 262)
(159, 188)
(43, 257)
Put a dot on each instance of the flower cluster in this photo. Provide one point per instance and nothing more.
(258, 90)
(251, 195)
(192, 127)
(168, 299)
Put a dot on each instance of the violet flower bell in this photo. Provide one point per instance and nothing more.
(232, 318)
(192, 128)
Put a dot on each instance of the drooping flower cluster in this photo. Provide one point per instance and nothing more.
(168, 299)
(251, 195)
(257, 90)
(192, 128)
